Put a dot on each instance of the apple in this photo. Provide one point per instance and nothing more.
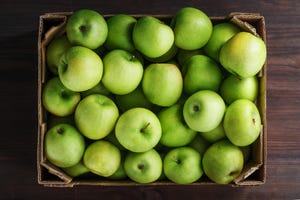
(119, 36)
(223, 162)
(55, 50)
(175, 132)
(214, 135)
(202, 73)
(123, 72)
(119, 174)
(242, 122)
(192, 28)
(200, 144)
(182, 165)
(64, 145)
(59, 100)
(234, 87)
(80, 69)
(204, 110)
(145, 167)
(102, 158)
(86, 28)
(221, 33)
(243, 55)
(162, 84)
(183, 55)
(152, 37)
(138, 130)
(95, 116)
(76, 170)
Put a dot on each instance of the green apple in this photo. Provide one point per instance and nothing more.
(199, 144)
(243, 55)
(53, 120)
(204, 110)
(97, 89)
(152, 37)
(95, 116)
(102, 158)
(119, 174)
(145, 167)
(55, 50)
(214, 135)
(223, 162)
(64, 145)
(221, 33)
(183, 55)
(162, 84)
(59, 100)
(77, 170)
(234, 87)
(182, 165)
(138, 130)
(119, 36)
(175, 132)
(80, 69)
(123, 72)
(202, 73)
(86, 28)
(242, 122)
(192, 28)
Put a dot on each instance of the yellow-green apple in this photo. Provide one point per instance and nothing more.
(175, 132)
(182, 165)
(214, 135)
(77, 170)
(204, 110)
(102, 158)
(152, 37)
(119, 36)
(80, 69)
(234, 87)
(200, 144)
(138, 130)
(242, 122)
(192, 28)
(64, 145)
(59, 100)
(95, 116)
(202, 73)
(162, 83)
(87, 28)
(122, 72)
(145, 167)
(56, 48)
(223, 162)
(243, 55)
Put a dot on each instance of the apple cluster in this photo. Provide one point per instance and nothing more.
(147, 98)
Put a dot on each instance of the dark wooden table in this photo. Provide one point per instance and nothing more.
(18, 107)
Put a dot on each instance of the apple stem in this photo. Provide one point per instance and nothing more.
(60, 130)
(144, 129)
(82, 28)
(132, 57)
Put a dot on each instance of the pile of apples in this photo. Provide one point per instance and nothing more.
(150, 99)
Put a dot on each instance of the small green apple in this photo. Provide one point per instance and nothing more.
(200, 144)
(223, 162)
(242, 122)
(59, 100)
(64, 145)
(77, 170)
(95, 116)
(214, 135)
(86, 28)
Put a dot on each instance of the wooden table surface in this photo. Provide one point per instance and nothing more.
(18, 107)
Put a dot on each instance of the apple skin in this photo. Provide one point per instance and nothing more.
(55, 50)
(182, 165)
(102, 158)
(86, 28)
(145, 167)
(175, 132)
(202, 73)
(76, 170)
(59, 100)
(234, 88)
(152, 37)
(223, 162)
(162, 84)
(204, 110)
(165, 57)
(243, 55)
(192, 28)
(242, 122)
(120, 29)
(138, 130)
(80, 69)
(64, 145)
(214, 135)
(95, 116)
(122, 72)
